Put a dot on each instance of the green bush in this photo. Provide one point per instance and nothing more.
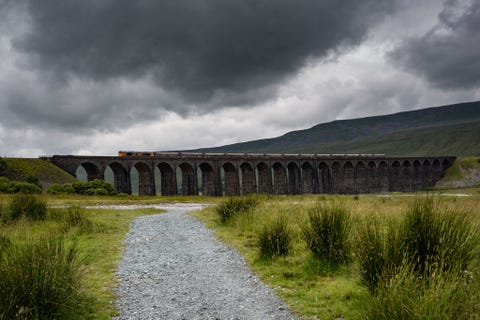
(56, 188)
(233, 206)
(33, 180)
(326, 233)
(7, 186)
(94, 187)
(28, 206)
(275, 238)
(39, 279)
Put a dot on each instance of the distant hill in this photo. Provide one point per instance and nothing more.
(446, 130)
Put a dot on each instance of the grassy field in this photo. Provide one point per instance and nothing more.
(97, 234)
(315, 289)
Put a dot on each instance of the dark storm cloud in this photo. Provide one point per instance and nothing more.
(216, 51)
(448, 55)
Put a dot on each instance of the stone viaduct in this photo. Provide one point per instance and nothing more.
(231, 174)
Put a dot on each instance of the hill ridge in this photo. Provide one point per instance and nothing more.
(339, 135)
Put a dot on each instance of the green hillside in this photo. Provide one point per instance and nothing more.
(447, 130)
(19, 169)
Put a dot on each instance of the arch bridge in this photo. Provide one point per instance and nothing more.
(232, 174)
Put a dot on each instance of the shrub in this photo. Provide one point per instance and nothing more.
(7, 186)
(96, 192)
(23, 187)
(39, 279)
(4, 183)
(233, 206)
(28, 206)
(56, 188)
(274, 238)
(33, 180)
(94, 187)
(326, 233)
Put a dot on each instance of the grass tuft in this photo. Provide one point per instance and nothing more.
(326, 233)
(406, 295)
(76, 216)
(39, 279)
(438, 240)
(378, 251)
(29, 206)
(275, 238)
(233, 206)
(428, 241)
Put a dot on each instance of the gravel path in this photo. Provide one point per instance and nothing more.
(174, 268)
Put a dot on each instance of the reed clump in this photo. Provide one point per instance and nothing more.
(28, 206)
(234, 206)
(326, 233)
(39, 279)
(275, 238)
(417, 267)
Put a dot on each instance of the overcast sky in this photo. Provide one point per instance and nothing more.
(98, 76)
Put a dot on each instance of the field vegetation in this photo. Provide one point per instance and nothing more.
(58, 259)
(399, 256)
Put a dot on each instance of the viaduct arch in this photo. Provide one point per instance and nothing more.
(232, 174)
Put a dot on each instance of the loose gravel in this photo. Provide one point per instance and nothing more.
(174, 268)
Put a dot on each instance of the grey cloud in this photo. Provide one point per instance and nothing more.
(81, 106)
(210, 52)
(448, 55)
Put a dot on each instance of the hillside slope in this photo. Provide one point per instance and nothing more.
(19, 169)
(447, 130)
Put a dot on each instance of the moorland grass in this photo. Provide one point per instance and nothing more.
(28, 206)
(40, 279)
(406, 295)
(436, 239)
(378, 228)
(275, 238)
(233, 206)
(88, 241)
(327, 233)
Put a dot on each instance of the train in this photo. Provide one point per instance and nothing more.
(123, 154)
(153, 154)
